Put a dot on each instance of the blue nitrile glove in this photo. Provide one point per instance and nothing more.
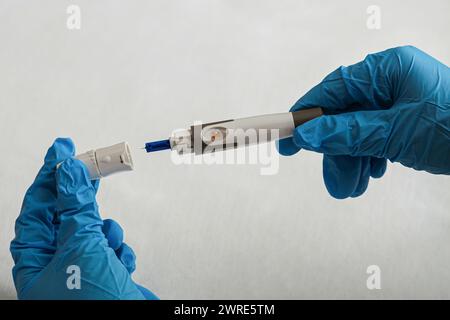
(61, 238)
(393, 105)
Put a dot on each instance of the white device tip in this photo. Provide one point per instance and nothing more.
(103, 162)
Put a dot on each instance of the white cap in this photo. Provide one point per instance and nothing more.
(103, 162)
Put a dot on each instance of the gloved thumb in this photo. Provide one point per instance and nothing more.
(287, 147)
(360, 133)
(76, 205)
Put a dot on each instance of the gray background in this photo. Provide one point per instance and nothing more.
(138, 69)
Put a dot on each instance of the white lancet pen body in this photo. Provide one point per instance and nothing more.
(230, 134)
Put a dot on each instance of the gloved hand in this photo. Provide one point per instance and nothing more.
(60, 238)
(393, 105)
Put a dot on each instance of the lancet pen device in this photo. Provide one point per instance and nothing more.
(202, 138)
(229, 134)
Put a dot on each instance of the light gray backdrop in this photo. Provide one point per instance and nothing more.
(138, 69)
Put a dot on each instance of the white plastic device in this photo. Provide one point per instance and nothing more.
(224, 134)
(105, 161)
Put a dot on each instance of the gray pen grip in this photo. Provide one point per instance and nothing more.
(302, 116)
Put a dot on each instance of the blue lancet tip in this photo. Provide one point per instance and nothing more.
(157, 145)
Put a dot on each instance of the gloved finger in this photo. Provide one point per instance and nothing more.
(287, 147)
(377, 167)
(341, 175)
(127, 257)
(147, 293)
(34, 244)
(76, 205)
(364, 177)
(95, 184)
(346, 176)
(360, 133)
(113, 233)
(365, 85)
